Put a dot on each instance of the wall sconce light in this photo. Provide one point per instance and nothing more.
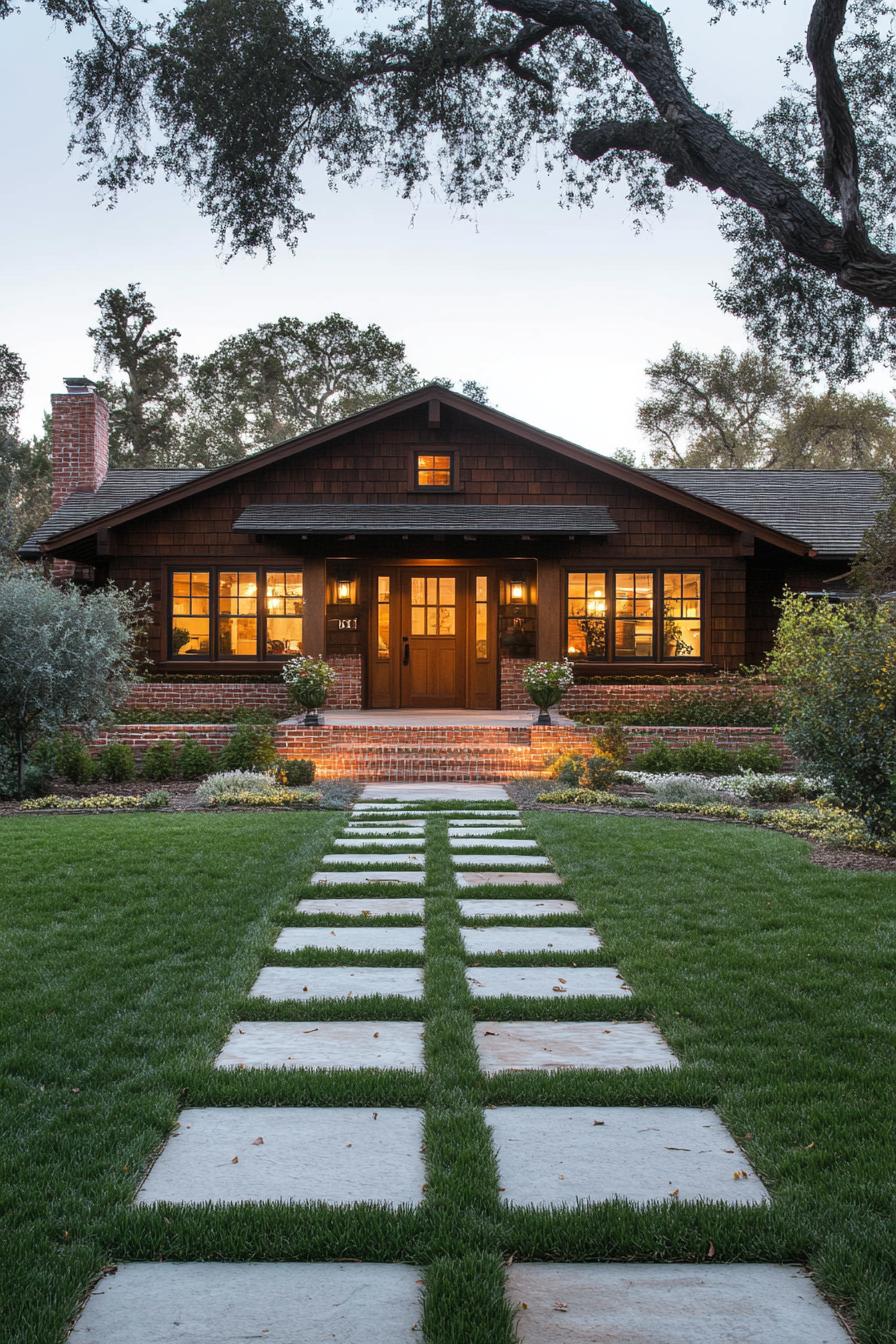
(345, 592)
(517, 591)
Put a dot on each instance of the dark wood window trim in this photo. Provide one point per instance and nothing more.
(657, 660)
(451, 488)
(214, 657)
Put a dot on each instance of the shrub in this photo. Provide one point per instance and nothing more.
(682, 789)
(763, 788)
(159, 761)
(66, 657)
(295, 772)
(733, 707)
(247, 788)
(611, 741)
(246, 714)
(194, 760)
(72, 759)
(760, 757)
(116, 763)
(250, 748)
(836, 667)
(156, 798)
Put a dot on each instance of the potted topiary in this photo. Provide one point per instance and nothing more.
(308, 681)
(547, 683)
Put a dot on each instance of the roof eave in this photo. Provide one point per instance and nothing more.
(641, 480)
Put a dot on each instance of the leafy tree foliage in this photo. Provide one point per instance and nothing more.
(874, 571)
(145, 404)
(233, 97)
(835, 665)
(66, 657)
(24, 464)
(264, 385)
(752, 410)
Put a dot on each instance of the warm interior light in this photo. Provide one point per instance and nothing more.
(572, 649)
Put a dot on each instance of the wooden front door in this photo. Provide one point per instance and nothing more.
(433, 638)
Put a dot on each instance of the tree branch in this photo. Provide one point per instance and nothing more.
(841, 153)
(703, 150)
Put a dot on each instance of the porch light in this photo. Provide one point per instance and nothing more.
(517, 591)
(344, 591)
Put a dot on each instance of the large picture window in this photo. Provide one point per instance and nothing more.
(634, 615)
(226, 613)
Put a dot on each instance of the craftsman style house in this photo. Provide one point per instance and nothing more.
(431, 546)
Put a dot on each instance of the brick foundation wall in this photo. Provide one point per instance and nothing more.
(608, 697)
(347, 693)
(143, 735)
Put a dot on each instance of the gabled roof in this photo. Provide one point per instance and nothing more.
(66, 535)
(829, 510)
(400, 519)
(119, 489)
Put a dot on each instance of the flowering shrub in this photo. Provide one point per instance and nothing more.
(99, 802)
(247, 788)
(308, 680)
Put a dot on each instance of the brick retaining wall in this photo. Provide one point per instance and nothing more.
(609, 697)
(158, 696)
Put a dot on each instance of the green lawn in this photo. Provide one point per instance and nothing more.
(128, 944)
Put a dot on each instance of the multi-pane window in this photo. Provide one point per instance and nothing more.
(433, 605)
(237, 613)
(481, 617)
(630, 615)
(383, 618)
(284, 605)
(682, 616)
(434, 471)
(190, 613)
(634, 615)
(586, 615)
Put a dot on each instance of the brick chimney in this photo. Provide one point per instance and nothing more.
(80, 439)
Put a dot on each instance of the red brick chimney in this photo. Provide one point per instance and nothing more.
(80, 439)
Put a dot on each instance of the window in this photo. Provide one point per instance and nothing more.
(634, 615)
(434, 471)
(190, 613)
(586, 616)
(481, 615)
(383, 618)
(682, 616)
(284, 607)
(433, 609)
(237, 613)
(615, 616)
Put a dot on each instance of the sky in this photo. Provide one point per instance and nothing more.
(556, 312)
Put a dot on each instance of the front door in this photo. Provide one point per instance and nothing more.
(433, 638)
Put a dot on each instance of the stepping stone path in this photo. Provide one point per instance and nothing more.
(547, 1156)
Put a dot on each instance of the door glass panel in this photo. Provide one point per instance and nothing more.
(383, 618)
(481, 594)
(433, 605)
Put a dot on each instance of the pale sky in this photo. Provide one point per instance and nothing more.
(555, 312)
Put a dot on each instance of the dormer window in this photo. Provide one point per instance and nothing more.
(434, 471)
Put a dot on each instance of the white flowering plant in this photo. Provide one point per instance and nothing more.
(546, 684)
(308, 680)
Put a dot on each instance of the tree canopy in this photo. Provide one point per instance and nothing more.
(752, 410)
(24, 463)
(282, 378)
(237, 98)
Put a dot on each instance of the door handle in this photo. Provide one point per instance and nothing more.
(405, 650)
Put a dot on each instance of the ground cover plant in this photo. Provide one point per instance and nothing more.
(731, 939)
(730, 708)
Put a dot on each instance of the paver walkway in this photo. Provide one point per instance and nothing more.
(524, 949)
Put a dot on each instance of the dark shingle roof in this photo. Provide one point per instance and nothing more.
(829, 510)
(119, 489)
(591, 520)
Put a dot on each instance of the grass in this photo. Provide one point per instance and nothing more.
(129, 945)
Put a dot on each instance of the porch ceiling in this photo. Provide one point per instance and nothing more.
(402, 519)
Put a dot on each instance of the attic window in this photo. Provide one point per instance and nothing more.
(434, 471)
